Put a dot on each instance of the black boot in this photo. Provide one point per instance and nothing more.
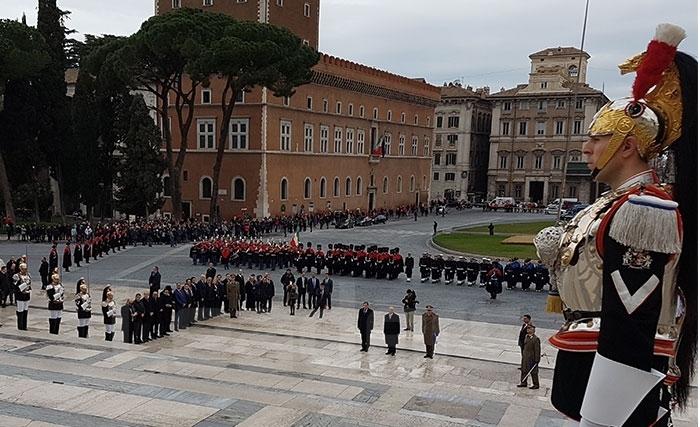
(111, 336)
(52, 326)
(85, 331)
(58, 325)
(80, 331)
(107, 336)
(24, 319)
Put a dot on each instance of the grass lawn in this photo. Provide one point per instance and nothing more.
(516, 228)
(483, 244)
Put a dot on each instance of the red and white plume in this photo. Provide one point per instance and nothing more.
(659, 55)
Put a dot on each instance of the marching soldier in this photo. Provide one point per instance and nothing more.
(424, 265)
(409, 267)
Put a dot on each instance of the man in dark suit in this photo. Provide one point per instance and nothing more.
(527, 319)
(328, 283)
(530, 359)
(365, 323)
(154, 280)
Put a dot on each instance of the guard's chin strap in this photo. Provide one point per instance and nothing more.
(594, 173)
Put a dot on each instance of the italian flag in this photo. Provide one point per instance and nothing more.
(295, 241)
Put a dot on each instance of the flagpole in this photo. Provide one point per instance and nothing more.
(570, 116)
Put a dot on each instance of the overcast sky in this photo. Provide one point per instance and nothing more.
(482, 42)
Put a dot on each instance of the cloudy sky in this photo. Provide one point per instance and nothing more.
(481, 42)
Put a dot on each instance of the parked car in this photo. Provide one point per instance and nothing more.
(365, 222)
(345, 224)
(553, 207)
(505, 203)
(379, 219)
(571, 213)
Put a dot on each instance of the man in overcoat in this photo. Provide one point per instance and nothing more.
(365, 323)
(392, 329)
(530, 359)
(431, 330)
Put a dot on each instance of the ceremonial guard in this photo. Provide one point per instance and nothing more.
(53, 259)
(109, 314)
(67, 257)
(472, 272)
(44, 273)
(484, 269)
(424, 266)
(408, 265)
(55, 293)
(450, 266)
(436, 267)
(84, 310)
(23, 292)
(319, 260)
(512, 273)
(625, 267)
(78, 254)
(461, 270)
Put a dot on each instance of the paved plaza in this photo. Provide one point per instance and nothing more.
(278, 370)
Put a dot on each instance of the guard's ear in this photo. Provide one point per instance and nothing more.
(629, 147)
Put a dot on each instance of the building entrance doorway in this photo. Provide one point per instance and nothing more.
(449, 194)
(536, 191)
(371, 201)
(186, 210)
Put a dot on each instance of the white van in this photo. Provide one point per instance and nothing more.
(553, 207)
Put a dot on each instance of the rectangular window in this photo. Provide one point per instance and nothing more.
(240, 97)
(338, 140)
(503, 162)
(556, 162)
(360, 141)
(559, 128)
(579, 104)
(307, 10)
(507, 106)
(206, 96)
(436, 156)
(324, 139)
(438, 140)
(338, 108)
(177, 4)
(403, 117)
(362, 111)
(575, 156)
(577, 127)
(349, 140)
(561, 103)
(205, 134)
(280, 3)
(388, 116)
(285, 136)
(572, 191)
(351, 110)
(308, 138)
(238, 134)
(402, 145)
(436, 176)
(449, 176)
(453, 122)
(554, 191)
(208, 3)
(543, 85)
(452, 139)
(519, 162)
(541, 105)
(538, 162)
(540, 128)
(451, 159)
(505, 128)
(522, 128)
(375, 114)
(414, 146)
(309, 103)
(518, 190)
(387, 144)
(286, 101)
(325, 105)
(426, 147)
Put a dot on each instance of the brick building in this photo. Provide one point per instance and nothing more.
(461, 149)
(531, 124)
(311, 151)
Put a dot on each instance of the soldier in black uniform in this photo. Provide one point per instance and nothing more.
(83, 305)
(320, 259)
(450, 266)
(461, 270)
(512, 273)
(408, 266)
(484, 268)
(55, 293)
(424, 266)
(139, 313)
(22, 282)
(472, 272)
(436, 267)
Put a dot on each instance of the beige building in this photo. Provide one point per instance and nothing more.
(531, 124)
(461, 144)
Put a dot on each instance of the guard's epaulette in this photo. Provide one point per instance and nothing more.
(648, 220)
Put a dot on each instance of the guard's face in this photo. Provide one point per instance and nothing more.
(593, 149)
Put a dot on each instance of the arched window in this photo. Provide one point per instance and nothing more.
(385, 185)
(205, 185)
(166, 186)
(284, 189)
(573, 71)
(412, 184)
(425, 183)
(238, 189)
(336, 187)
(348, 186)
(358, 187)
(307, 188)
(322, 189)
(399, 184)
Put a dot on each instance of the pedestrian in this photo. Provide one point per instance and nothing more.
(165, 305)
(44, 273)
(523, 331)
(84, 309)
(392, 328)
(365, 323)
(431, 330)
(328, 283)
(491, 227)
(154, 280)
(409, 263)
(530, 359)
(139, 314)
(409, 308)
(67, 257)
(109, 314)
(55, 293)
(5, 286)
(234, 297)
(291, 292)
(434, 228)
(127, 313)
(320, 300)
